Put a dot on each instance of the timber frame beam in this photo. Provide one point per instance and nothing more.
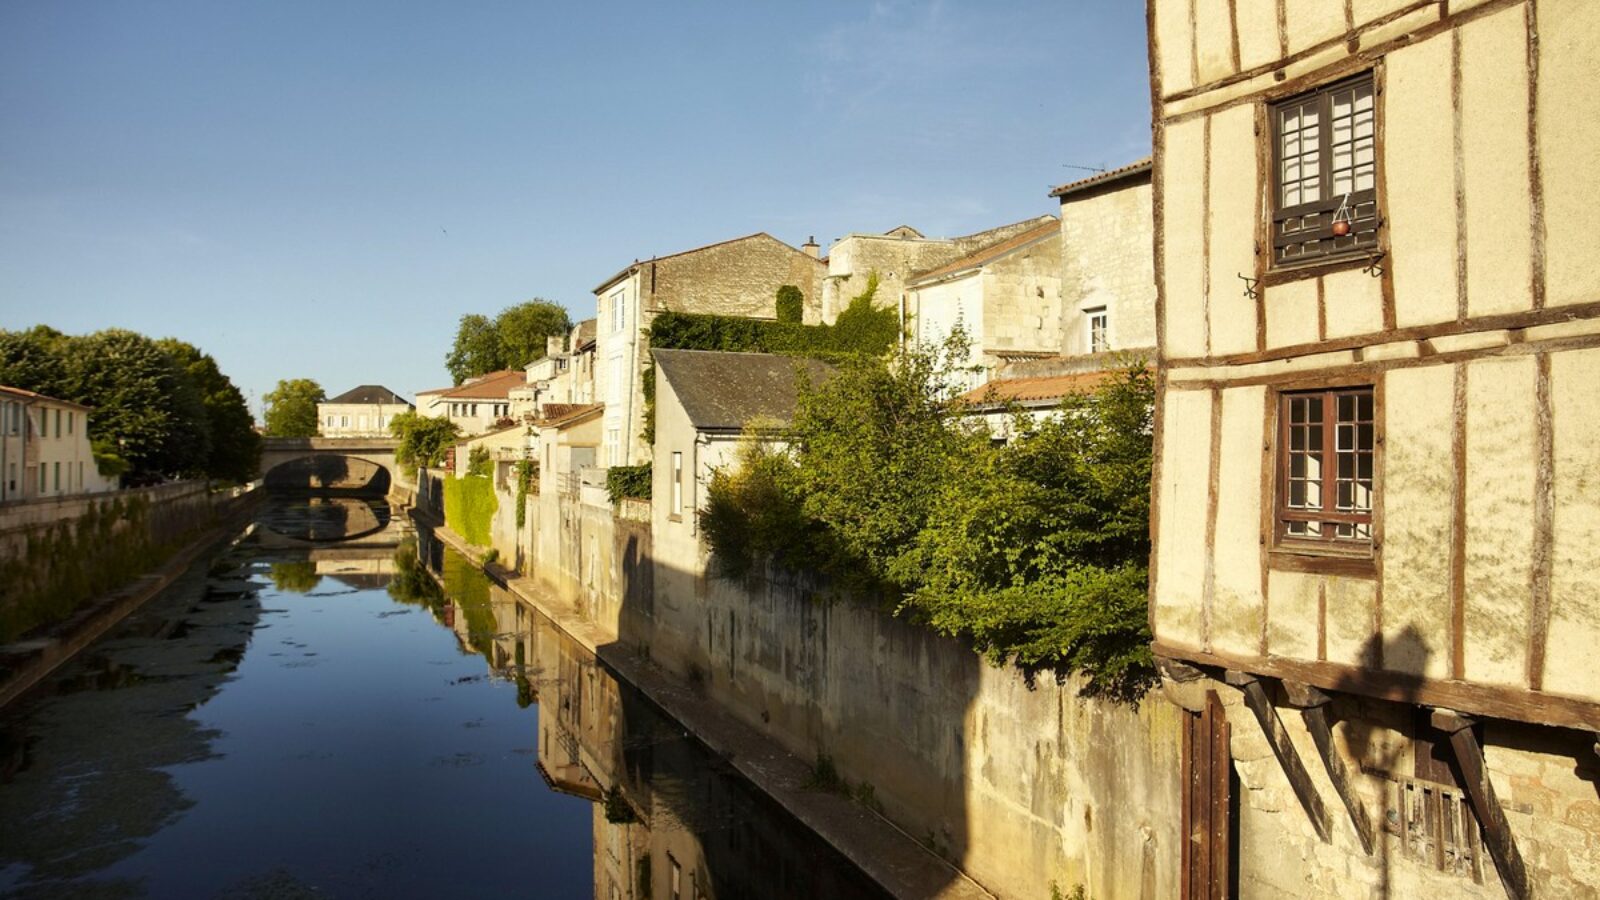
(1496, 830)
(1255, 697)
(1313, 705)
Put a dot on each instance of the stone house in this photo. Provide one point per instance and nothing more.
(44, 448)
(1005, 296)
(476, 405)
(1375, 516)
(563, 376)
(1108, 279)
(895, 256)
(739, 277)
(705, 403)
(363, 411)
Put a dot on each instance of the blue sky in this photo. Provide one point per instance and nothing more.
(313, 189)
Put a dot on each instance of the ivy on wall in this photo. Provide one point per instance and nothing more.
(629, 481)
(469, 506)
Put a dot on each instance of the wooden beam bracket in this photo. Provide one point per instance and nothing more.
(1318, 723)
(1255, 697)
(1480, 793)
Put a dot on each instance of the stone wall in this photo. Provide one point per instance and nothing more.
(737, 278)
(1107, 260)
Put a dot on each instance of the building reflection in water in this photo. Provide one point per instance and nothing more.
(671, 819)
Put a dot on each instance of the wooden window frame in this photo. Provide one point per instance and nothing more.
(1363, 241)
(1328, 543)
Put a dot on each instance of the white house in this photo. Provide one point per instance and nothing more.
(44, 448)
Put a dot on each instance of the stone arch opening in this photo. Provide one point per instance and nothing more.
(329, 473)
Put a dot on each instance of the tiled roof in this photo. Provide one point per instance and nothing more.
(37, 397)
(368, 393)
(1032, 390)
(1136, 167)
(493, 386)
(724, 391)
(558, 414)
(990, 253)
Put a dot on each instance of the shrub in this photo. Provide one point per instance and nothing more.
(478, 461)
(423, 439)
(629, 481)
(791, 304)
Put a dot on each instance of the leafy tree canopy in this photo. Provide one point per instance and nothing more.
(235, 447)
(292, 408)
(423, 439)
(511, 340)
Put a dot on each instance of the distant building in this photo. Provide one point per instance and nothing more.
(705, 402)
(1005, 296)
(44, 448)
(563, 376)
(740, 277)
(476, 405)
(1108, 278)
(363, 411)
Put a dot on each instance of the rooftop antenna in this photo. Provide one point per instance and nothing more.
(1084, 168)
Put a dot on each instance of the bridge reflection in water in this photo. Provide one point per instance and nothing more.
(340, 707)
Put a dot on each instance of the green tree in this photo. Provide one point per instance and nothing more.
(791, 304)
(292, 408)
(423, 439)
(235, 447)
(35, 360)
(144, 404)
(477, 349)
(524, 329)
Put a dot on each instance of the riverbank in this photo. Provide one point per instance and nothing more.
(892, 858)
(27, 661)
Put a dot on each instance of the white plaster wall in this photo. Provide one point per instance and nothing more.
(1494, 134)
(1237, 610)
(1575, 549)
(1178, 582)
(1183, 291)
(1419, 162)
(1569, 108)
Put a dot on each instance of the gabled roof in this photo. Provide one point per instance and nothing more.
(985, 255)
(34, 397)
(493, 386)
(1138, 167)
(724, 391)
(369, 393)
(1034, 390)
(639, 262)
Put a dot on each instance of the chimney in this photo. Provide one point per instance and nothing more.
(810, 248)
(554, 344)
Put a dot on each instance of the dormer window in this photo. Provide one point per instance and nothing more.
(1324, 173)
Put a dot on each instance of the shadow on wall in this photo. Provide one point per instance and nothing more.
(329, 473)
(880, 706)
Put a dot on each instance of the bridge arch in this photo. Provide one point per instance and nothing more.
(338, 465)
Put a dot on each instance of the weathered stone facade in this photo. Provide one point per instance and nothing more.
(1108, 261)
(895, 258)
(740, 277)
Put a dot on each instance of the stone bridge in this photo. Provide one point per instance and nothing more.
(345, 465)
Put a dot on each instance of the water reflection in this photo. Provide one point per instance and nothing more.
(670, 818)
(352, 718)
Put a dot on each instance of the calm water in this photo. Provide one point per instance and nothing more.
(314, 716)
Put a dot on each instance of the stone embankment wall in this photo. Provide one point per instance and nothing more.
(1020, 786)
(59, 552)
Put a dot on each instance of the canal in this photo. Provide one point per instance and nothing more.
(336, 706)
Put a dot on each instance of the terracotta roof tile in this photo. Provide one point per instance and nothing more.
(493, 386)
(1034, 389)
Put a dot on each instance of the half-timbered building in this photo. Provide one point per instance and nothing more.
(1376, 570)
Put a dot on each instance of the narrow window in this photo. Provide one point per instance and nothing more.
(72, 427)
(1099, 329)
(42, 476)
(1326, 465)
(57, 466)
(80, 476)
(1325, 173)
(677, 482)
(58, 423)
(619, 310)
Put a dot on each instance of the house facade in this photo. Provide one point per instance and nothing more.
(476, 405)
(740, 277)
(44, 448)
(1005, 297)
(564, 376)
(363, 411)
(1375, 520)
(1108, 279)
